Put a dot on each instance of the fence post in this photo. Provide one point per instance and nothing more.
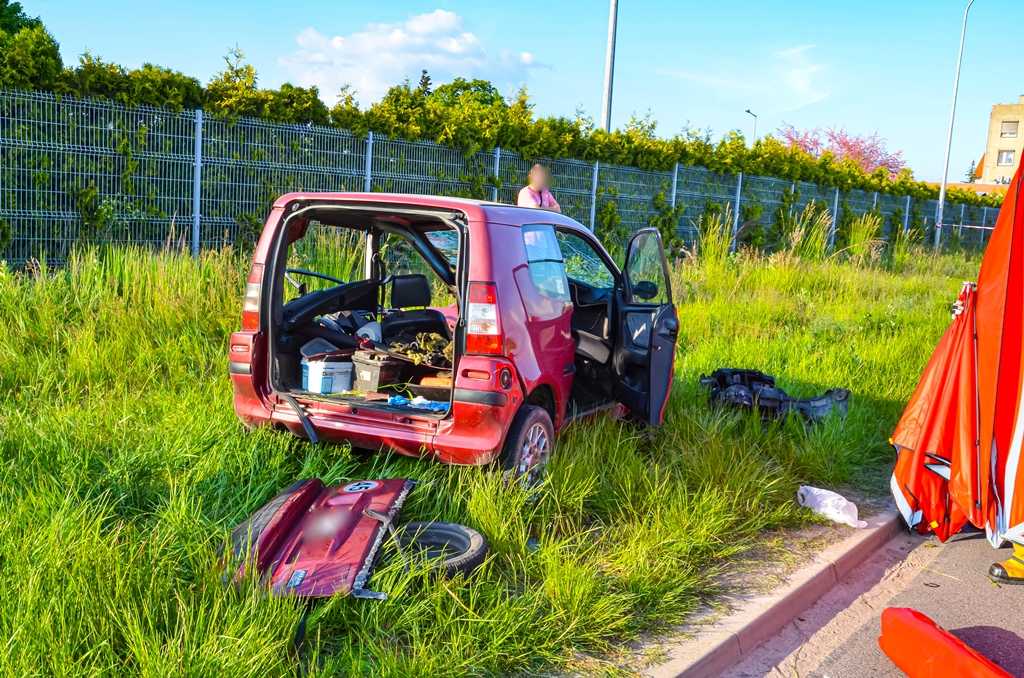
(906, 217)
(197, 181)
(835, 221)
(736, 213)
(675, 182)
(367, 172)
(874, 201)
(497, 168)
(593, 197)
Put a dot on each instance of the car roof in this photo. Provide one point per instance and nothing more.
(475, 210)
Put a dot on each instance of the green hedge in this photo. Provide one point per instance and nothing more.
(469, 114)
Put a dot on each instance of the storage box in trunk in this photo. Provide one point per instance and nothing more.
(374, 371)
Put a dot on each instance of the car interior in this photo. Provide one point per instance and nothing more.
(375, 328)
(365, 308)
(611, 333)
(592, 291)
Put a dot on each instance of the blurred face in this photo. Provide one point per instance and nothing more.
(539, 177)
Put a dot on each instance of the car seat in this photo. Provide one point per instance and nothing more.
(409, 315)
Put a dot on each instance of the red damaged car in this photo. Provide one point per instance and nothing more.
(453, 329)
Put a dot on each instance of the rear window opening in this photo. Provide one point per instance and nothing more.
(365, 311)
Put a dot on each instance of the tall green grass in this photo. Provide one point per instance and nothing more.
(866, 244)
(714, 237)
(122, 468)
(805, 234)
(903, 247)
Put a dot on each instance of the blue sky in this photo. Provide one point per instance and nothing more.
(868, 66)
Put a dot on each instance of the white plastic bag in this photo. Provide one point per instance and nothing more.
(835, 507)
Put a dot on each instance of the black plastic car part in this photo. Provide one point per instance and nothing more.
(753, 390)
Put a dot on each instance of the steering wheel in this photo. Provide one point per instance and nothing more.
(288, 272)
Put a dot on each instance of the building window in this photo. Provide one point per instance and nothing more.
(1008, 129)
(1006, 158)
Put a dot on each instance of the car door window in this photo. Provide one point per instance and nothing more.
(547, 270)
(646, 272)
(583, 264)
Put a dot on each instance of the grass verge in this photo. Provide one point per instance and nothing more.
(122, 468)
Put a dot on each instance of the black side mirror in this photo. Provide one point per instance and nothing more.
(645, 289)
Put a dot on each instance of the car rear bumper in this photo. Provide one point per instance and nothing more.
(472, 433)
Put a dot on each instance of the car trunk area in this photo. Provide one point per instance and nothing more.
(364, 314)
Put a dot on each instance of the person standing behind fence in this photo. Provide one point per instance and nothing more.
(537, 191)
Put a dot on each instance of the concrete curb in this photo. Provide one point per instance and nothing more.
(761, 618)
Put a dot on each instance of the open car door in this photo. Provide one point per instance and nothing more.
(648, 327)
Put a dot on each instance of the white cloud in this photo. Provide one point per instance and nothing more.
(789, 78)
(800, 75)
(381, 55)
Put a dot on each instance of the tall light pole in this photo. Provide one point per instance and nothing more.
(609, 66)
(754, 116)
(949, 133)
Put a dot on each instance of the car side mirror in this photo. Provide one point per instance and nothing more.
(645, 289)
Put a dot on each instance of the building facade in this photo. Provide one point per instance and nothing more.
(1005, 143)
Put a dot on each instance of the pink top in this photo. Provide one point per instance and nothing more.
(531, 198)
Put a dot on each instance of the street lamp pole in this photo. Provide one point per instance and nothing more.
(949, 133)
(609, 66)
(754, 116)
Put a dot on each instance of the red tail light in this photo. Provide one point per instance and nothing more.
(251, 303)
(483, 328)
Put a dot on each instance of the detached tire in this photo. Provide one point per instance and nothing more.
(449, 547)
(528, 446)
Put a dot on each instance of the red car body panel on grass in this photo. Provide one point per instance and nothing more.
(315, 541)
(538, 345)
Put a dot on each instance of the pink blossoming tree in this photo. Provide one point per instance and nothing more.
(867, 152)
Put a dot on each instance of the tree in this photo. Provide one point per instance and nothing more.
(158, 86)
(234, 93)
(29, 59)
(425, 82)
(94, 77)
(13, 18)
(869, 153)
(150, 85)
(346, 114)
(295, 104)
(972, 172)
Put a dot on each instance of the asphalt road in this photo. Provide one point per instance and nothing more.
(838, 636)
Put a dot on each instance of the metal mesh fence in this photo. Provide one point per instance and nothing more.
(73, 170)
(697, 190)
(247, 164)
(84, 170)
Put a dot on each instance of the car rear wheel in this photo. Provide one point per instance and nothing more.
(528, 446)
(450, 548)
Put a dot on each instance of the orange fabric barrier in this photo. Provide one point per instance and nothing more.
(922, 649)
(960, 441)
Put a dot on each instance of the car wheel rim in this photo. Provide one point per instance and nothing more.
(534, 453)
